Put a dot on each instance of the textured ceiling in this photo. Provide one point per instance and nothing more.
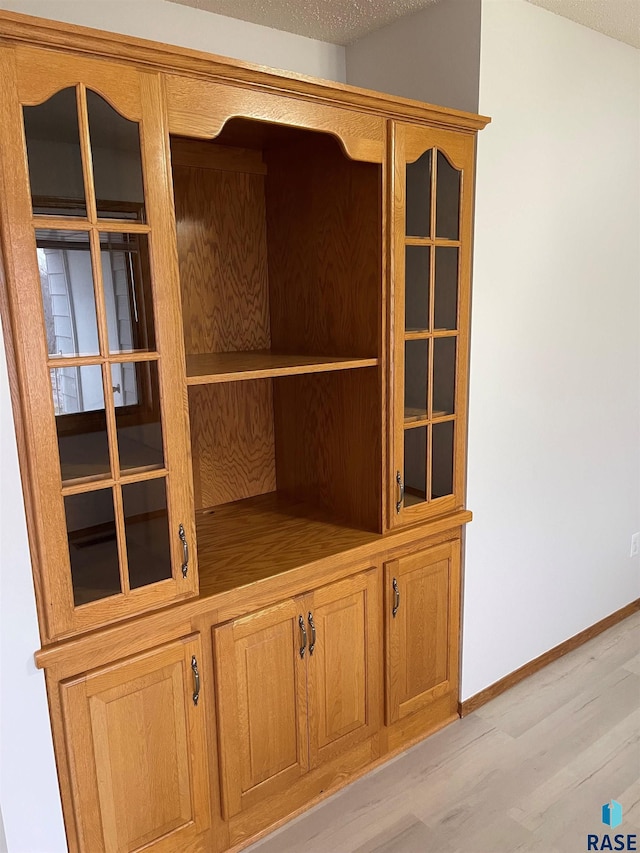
(344, 21)
(335, 21)
(619, 19)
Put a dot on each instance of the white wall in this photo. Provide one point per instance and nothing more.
(432, 55)
(554, 436)
(182, 25)
(29, 796)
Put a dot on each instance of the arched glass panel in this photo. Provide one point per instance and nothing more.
(53, 152)
(447, 200)
(117, 164)
(418, 197)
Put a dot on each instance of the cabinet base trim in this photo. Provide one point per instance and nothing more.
(533, 666)
(343, 783)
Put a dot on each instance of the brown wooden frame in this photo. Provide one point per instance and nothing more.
(138, 96)
(408, 143)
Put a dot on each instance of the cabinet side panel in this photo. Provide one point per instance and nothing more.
(232, 441)
(328, 442)
(324, 218)
(222, 252)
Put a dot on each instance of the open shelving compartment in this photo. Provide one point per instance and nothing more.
(280, 252)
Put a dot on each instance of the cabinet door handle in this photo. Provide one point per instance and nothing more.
(304, 636)
(313, 634)
(396, 603)
(196, 680)
(185, 551)
(400, 491)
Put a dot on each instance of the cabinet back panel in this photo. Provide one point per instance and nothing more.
(222, 254)
(232, 441)
(328, 442)
(325, 256)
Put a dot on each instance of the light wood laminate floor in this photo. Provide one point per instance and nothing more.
(529, 771)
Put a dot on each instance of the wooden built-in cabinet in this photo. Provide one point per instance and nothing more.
(298, 684)
(422, 627)
(136, 736)
(236, 307)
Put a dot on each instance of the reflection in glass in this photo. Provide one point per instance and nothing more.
(136, 396)
(415, 465)
(442, 460)
(446, 289)
(53, 152)
(81, 423)
(127, 291)
(117, 166)
(147, 530)
(93, 546)
(416, 371)
(416, 297)
(418, 199)
(66, 281)
(447, 200)
(444, 376)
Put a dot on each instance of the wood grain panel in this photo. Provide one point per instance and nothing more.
(233, 446)
(222, 254)
(325, 250)
(137, 751)
(344, 670)
(328, 435)
(422, 638)
(118, 84)
(262, 704)
(209, 155)
(201, 108)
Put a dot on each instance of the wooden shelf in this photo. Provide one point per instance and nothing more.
(212, 367)
(246, 541)
(413, 415)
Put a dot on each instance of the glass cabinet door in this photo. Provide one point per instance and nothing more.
(431, 222)
(103, 383)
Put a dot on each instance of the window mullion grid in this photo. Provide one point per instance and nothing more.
(85, 148)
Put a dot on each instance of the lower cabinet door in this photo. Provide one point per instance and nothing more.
(344, 667)
(422, 601)
(137, 752)
(261, 678)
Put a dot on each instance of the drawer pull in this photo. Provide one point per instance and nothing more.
(196, 680)
(313, 634)
(185, 551)
(396, 603)
(304, 636)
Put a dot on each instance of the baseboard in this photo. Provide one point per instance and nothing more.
(480, 699)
